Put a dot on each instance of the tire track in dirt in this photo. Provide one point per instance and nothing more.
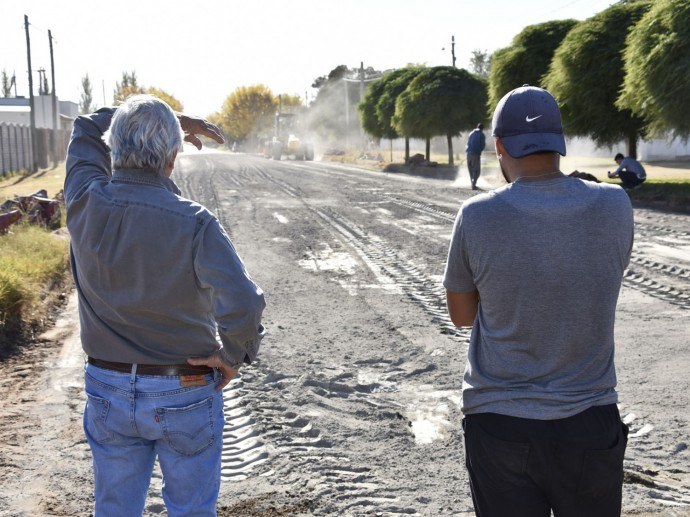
(263, 438)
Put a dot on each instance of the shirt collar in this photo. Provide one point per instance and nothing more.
(146, 177)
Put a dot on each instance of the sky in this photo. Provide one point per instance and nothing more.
(201, 51)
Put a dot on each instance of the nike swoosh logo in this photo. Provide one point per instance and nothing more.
(528, 119)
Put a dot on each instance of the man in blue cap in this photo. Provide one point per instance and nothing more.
(535, 267)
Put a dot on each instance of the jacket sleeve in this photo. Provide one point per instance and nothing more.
(238, 303)
(88, 158)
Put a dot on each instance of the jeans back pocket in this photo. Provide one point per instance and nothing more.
(188, 430)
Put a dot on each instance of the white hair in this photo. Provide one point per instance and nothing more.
(144, 134)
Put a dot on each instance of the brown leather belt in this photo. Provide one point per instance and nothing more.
(165, 370)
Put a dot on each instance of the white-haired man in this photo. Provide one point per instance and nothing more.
(157, 278)
(536, 267)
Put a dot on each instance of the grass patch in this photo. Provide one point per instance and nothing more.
(33, 262)
(668, 195)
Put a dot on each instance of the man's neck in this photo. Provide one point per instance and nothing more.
(536, 166)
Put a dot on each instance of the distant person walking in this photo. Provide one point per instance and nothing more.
(476, 142)
(158, 280)
(535, 268)
(630, 171)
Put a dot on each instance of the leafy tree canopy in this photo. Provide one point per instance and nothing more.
(586, 75)
(657, 64)
(367, 110)
(248, 112)
(480, 63)
(441, 100)
(394, 83)
(126, 87)
(333, 114)
(527, 59)
(175, 104)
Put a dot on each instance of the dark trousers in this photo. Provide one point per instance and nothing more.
(526, 468)
(629, 179)
(474, 166)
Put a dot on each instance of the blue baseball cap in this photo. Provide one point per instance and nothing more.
(528, 121)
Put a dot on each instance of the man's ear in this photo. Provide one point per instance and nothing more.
(498, 143)
(169, 168)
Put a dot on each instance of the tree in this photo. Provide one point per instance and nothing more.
(527, 59)
(367, 110)
(657, 78)
(247, 113)
(175, 104)
(86, 96)
(395, 83)
(333, 114)
(441, 101)
(6, 84)
(127, 87)
(285, 100)
(586, 76)
(480, 63)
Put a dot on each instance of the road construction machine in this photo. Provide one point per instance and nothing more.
(287, 136)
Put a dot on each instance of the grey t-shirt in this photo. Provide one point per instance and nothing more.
(547, 258)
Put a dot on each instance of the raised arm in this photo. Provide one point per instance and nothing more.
(88, 158)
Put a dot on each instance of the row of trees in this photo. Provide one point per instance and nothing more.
(420, 102)
(618, 76)
(128, 85)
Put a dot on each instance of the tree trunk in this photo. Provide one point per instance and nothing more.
(450, 150)
(407, 150)
(632, 144)
(428, 149)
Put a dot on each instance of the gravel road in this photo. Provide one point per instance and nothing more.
(353, 406)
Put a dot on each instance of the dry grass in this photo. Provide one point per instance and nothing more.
(32, 260)
(21, 184)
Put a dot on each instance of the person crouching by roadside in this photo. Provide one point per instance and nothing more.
(157, 279)
(630, 171)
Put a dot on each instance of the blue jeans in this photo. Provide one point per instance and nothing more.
(526, 468)
(130, 419)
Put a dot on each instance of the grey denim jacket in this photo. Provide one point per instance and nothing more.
(157, 276)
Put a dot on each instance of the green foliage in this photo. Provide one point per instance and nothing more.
(395, 83)
(86, 101)
(586, 75)
(285, 100)
(333, 114)
(128, 86)
(657, 62)
(367, 110)
(6, 84)
(527, 59)
(247, 113)
(480, 63)
(441, 100)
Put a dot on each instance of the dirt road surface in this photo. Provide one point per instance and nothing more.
(353, 407)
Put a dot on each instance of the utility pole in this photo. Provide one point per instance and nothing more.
(53, 137)
(32, 112)
(452, 49)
